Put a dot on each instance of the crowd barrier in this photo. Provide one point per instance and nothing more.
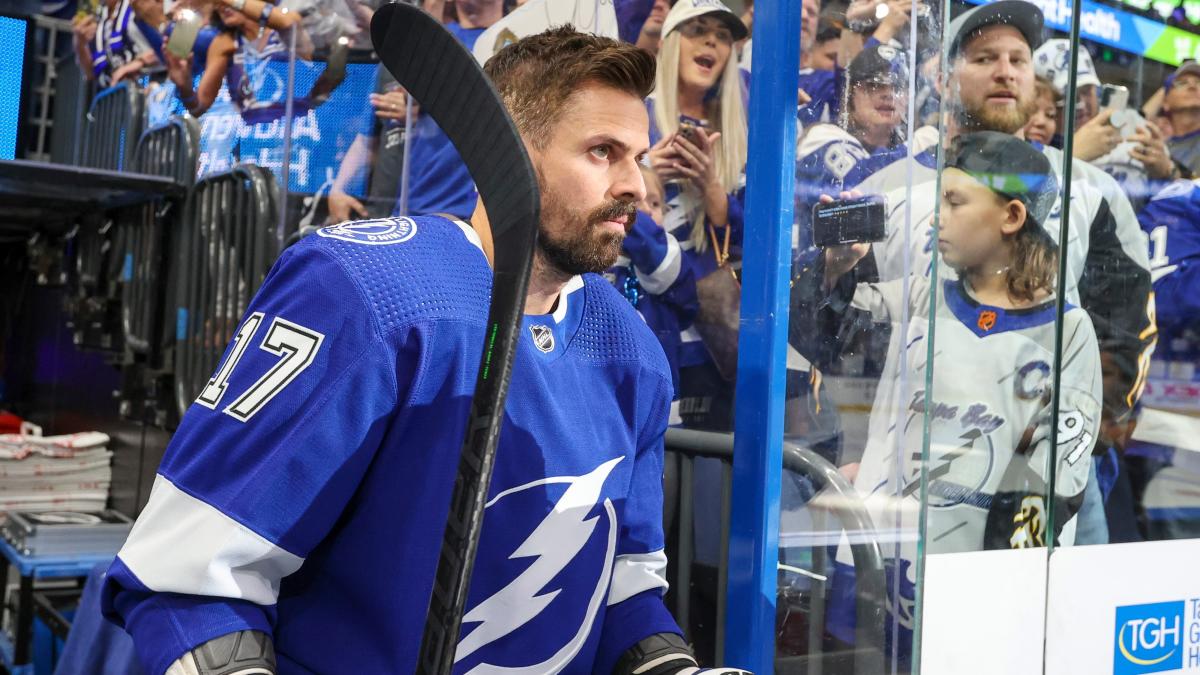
(159, 287)
(227, 245)
(113, 127)
(684, 447)
(170, 150)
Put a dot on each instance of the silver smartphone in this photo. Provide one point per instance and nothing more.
(183, 34)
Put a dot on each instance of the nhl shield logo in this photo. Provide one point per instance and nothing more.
(987, 320)
(543, 338)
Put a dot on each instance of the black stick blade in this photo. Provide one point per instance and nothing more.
(439, 72)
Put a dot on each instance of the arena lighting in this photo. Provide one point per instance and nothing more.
(1165, 8)
(1128, 32)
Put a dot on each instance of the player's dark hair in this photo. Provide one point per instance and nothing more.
(537, 75)
(1034, 265)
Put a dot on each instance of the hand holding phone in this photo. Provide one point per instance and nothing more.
(851, 220)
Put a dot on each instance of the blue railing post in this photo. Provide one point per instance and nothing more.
(766, 269)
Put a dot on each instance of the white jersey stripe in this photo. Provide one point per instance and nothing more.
(636, 573)
(205, 552)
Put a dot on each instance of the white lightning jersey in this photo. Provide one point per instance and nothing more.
(989, 409)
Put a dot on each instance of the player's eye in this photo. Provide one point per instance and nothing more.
(601, 151)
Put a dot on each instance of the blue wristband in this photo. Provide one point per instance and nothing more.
(266, 13)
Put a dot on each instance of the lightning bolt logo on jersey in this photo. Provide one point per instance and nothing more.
(540, 600)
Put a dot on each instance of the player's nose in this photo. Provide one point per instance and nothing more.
(628, 184)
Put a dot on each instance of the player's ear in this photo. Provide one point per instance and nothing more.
(1014, 217)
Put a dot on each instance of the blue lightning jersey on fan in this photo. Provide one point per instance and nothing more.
(822, 87)
(829, 160)
(1172, 222)
(305, 493)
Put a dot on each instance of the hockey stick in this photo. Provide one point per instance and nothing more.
(445, 79)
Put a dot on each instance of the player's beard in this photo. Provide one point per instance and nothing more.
(981, 117)
(581, 245)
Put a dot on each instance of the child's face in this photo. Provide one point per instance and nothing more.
(653, 202)
(1042, 124)
(878, 106)
(973, 223)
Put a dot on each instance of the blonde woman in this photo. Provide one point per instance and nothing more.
(699, 113)
(698, 131)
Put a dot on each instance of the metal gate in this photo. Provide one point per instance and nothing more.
(113, 127)
(228, 245)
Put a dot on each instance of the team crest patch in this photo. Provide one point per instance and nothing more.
(543, 338)
(987, 320)
(374, 232)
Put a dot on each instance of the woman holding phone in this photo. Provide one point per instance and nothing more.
(698, 131)
(252, 31)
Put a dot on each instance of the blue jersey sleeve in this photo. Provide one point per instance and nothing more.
(263, 463)
(655, 254)
(1170, 221)
(631, 16)
(822, 87)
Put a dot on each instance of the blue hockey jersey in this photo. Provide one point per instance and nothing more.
(305, 492)
(1172, 222)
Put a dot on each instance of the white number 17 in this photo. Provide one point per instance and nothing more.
(298, 347)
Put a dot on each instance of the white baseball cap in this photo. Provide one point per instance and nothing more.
(1052, 61)
(690, 9)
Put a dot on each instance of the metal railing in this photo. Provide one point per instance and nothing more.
(144, 233)
(112, 127)
(226, 248)
(683, 447)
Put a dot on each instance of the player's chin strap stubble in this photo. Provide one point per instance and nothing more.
(244, 653)
(665, 654)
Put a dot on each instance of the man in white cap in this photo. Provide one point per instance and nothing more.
(1117, 140)
(1052, 61)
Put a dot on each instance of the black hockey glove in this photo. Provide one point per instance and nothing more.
(245, 653)
(665, 654)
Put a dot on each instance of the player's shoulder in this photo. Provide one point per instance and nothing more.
(612, 332)
(406, 269)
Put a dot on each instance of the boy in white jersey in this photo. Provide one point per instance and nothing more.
(989, 403)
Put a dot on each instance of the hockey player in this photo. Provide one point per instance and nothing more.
(295, 520)
(988, 403)
(832, 158)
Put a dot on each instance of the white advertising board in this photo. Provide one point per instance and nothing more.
(984, 613)
(1125, 609)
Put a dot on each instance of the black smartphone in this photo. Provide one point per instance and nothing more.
(850, 221)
